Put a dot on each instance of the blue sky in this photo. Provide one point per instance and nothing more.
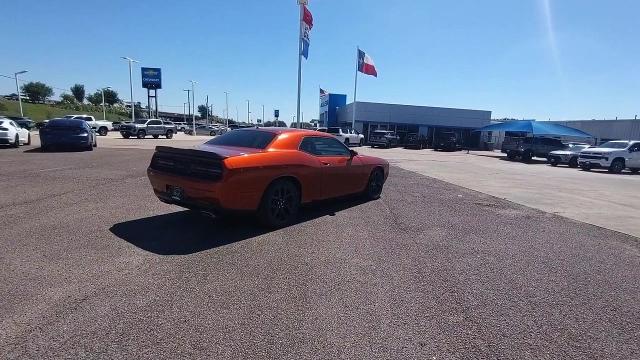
(558, 59)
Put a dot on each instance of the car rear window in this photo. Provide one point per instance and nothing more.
(65, 123)
(333, 130)
(254, 139)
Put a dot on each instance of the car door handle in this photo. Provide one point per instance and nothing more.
(325, 163)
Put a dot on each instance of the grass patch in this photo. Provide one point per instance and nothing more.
(39, 112)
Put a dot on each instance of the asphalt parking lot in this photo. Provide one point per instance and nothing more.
(94, 266)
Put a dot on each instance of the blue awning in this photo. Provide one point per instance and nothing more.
(536, 128)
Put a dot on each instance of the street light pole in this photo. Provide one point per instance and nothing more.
(193, 92)
(18, 89)
(248, 112)
(104, 112)
(263, 114)
(226, 100)
(188, 101)
(130, 60)
(184, 111)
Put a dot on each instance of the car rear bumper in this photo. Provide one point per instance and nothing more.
(74, 140)
(203, 194)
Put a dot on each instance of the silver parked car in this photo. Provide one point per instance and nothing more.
(569, 155)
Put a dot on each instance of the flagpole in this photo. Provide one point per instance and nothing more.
(300, 4)
(355, 91)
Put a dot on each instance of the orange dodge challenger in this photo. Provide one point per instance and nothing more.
(269, 171)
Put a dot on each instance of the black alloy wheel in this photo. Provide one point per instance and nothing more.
(375, 184)
(169, 134)
(616, 166)
(126, 135)
(280, 204)
(586, 167)
(103, 131)
(141, 134)
(553, 161)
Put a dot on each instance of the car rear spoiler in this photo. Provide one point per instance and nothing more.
(191, 153)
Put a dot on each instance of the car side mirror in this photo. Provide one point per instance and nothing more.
(353, 153)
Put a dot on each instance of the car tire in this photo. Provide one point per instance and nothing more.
(103, 131)
(527, 156)
(361, 143)
(553, 161)
(169, 134)
(90, 147)
(280, 204)
(374, 184)
(213, 133)
(16, 142)
(141, 134)
(346, 142)
(573, 163)
(28, 140)
(511, 155)
(585, 167)
(616, 166)
(635, 170)
(95, 144)
(155, 136)
(126, 136)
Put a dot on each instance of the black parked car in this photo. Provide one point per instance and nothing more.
(67, 133)
(415, 141)
(384, 138)
(447, 140)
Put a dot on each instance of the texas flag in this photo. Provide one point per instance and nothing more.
(365, 64)
(307, 24)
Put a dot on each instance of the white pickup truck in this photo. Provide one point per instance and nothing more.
(347, 136)
(612, 155)
(100, 126)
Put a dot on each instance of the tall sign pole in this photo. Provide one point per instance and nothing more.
(355, 90)
(301, 4)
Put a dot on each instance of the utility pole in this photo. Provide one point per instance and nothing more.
(193, 92)
(226, 102)
(207, 104)
(104, 112)
(263, 114)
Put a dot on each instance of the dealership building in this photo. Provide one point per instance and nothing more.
(402, 119)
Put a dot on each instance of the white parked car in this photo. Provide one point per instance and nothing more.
(347, 136)
(614, 156)
(99, 126)
(12, 134)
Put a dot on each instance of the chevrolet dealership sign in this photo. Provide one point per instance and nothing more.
(151, 78)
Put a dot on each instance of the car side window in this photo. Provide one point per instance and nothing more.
(154, 122)
(635, 147)
(323, 146)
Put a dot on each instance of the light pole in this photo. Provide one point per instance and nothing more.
(18, 89)
(193, 92)
(184, 110)
(248, 112)
(104, 112)
(263, 114)
(130, 60)
(226, 101)
(188, 100)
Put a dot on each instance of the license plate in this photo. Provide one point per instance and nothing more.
(176, 192)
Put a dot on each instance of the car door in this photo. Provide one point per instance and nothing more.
(338, 169)
(22, 133)
(154, 127)
(634, 156)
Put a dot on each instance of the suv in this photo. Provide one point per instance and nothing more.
(568, 155)
(100, 126)
(446, 140)
(527, 148)
(613, 155)
(384, 138)
(181, 125)
(143, 127)
(347, 136)
(415, 141)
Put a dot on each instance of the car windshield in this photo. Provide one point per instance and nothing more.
(140, 122)
(333, 130)
(255, 139)
(576, 147)
(614, 145)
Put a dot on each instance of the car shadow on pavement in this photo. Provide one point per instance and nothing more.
(56, 150)
(188, 232)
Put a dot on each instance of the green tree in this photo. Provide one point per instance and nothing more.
(78, 92)
(95, 98)
(202, 110)
(68, 98)
(37, 91)
(111, 97)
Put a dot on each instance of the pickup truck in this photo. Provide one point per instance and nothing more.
(99, 126)
(384, 138)
(347, 136)
(527, 148)
(614, 156)
(143, 127)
